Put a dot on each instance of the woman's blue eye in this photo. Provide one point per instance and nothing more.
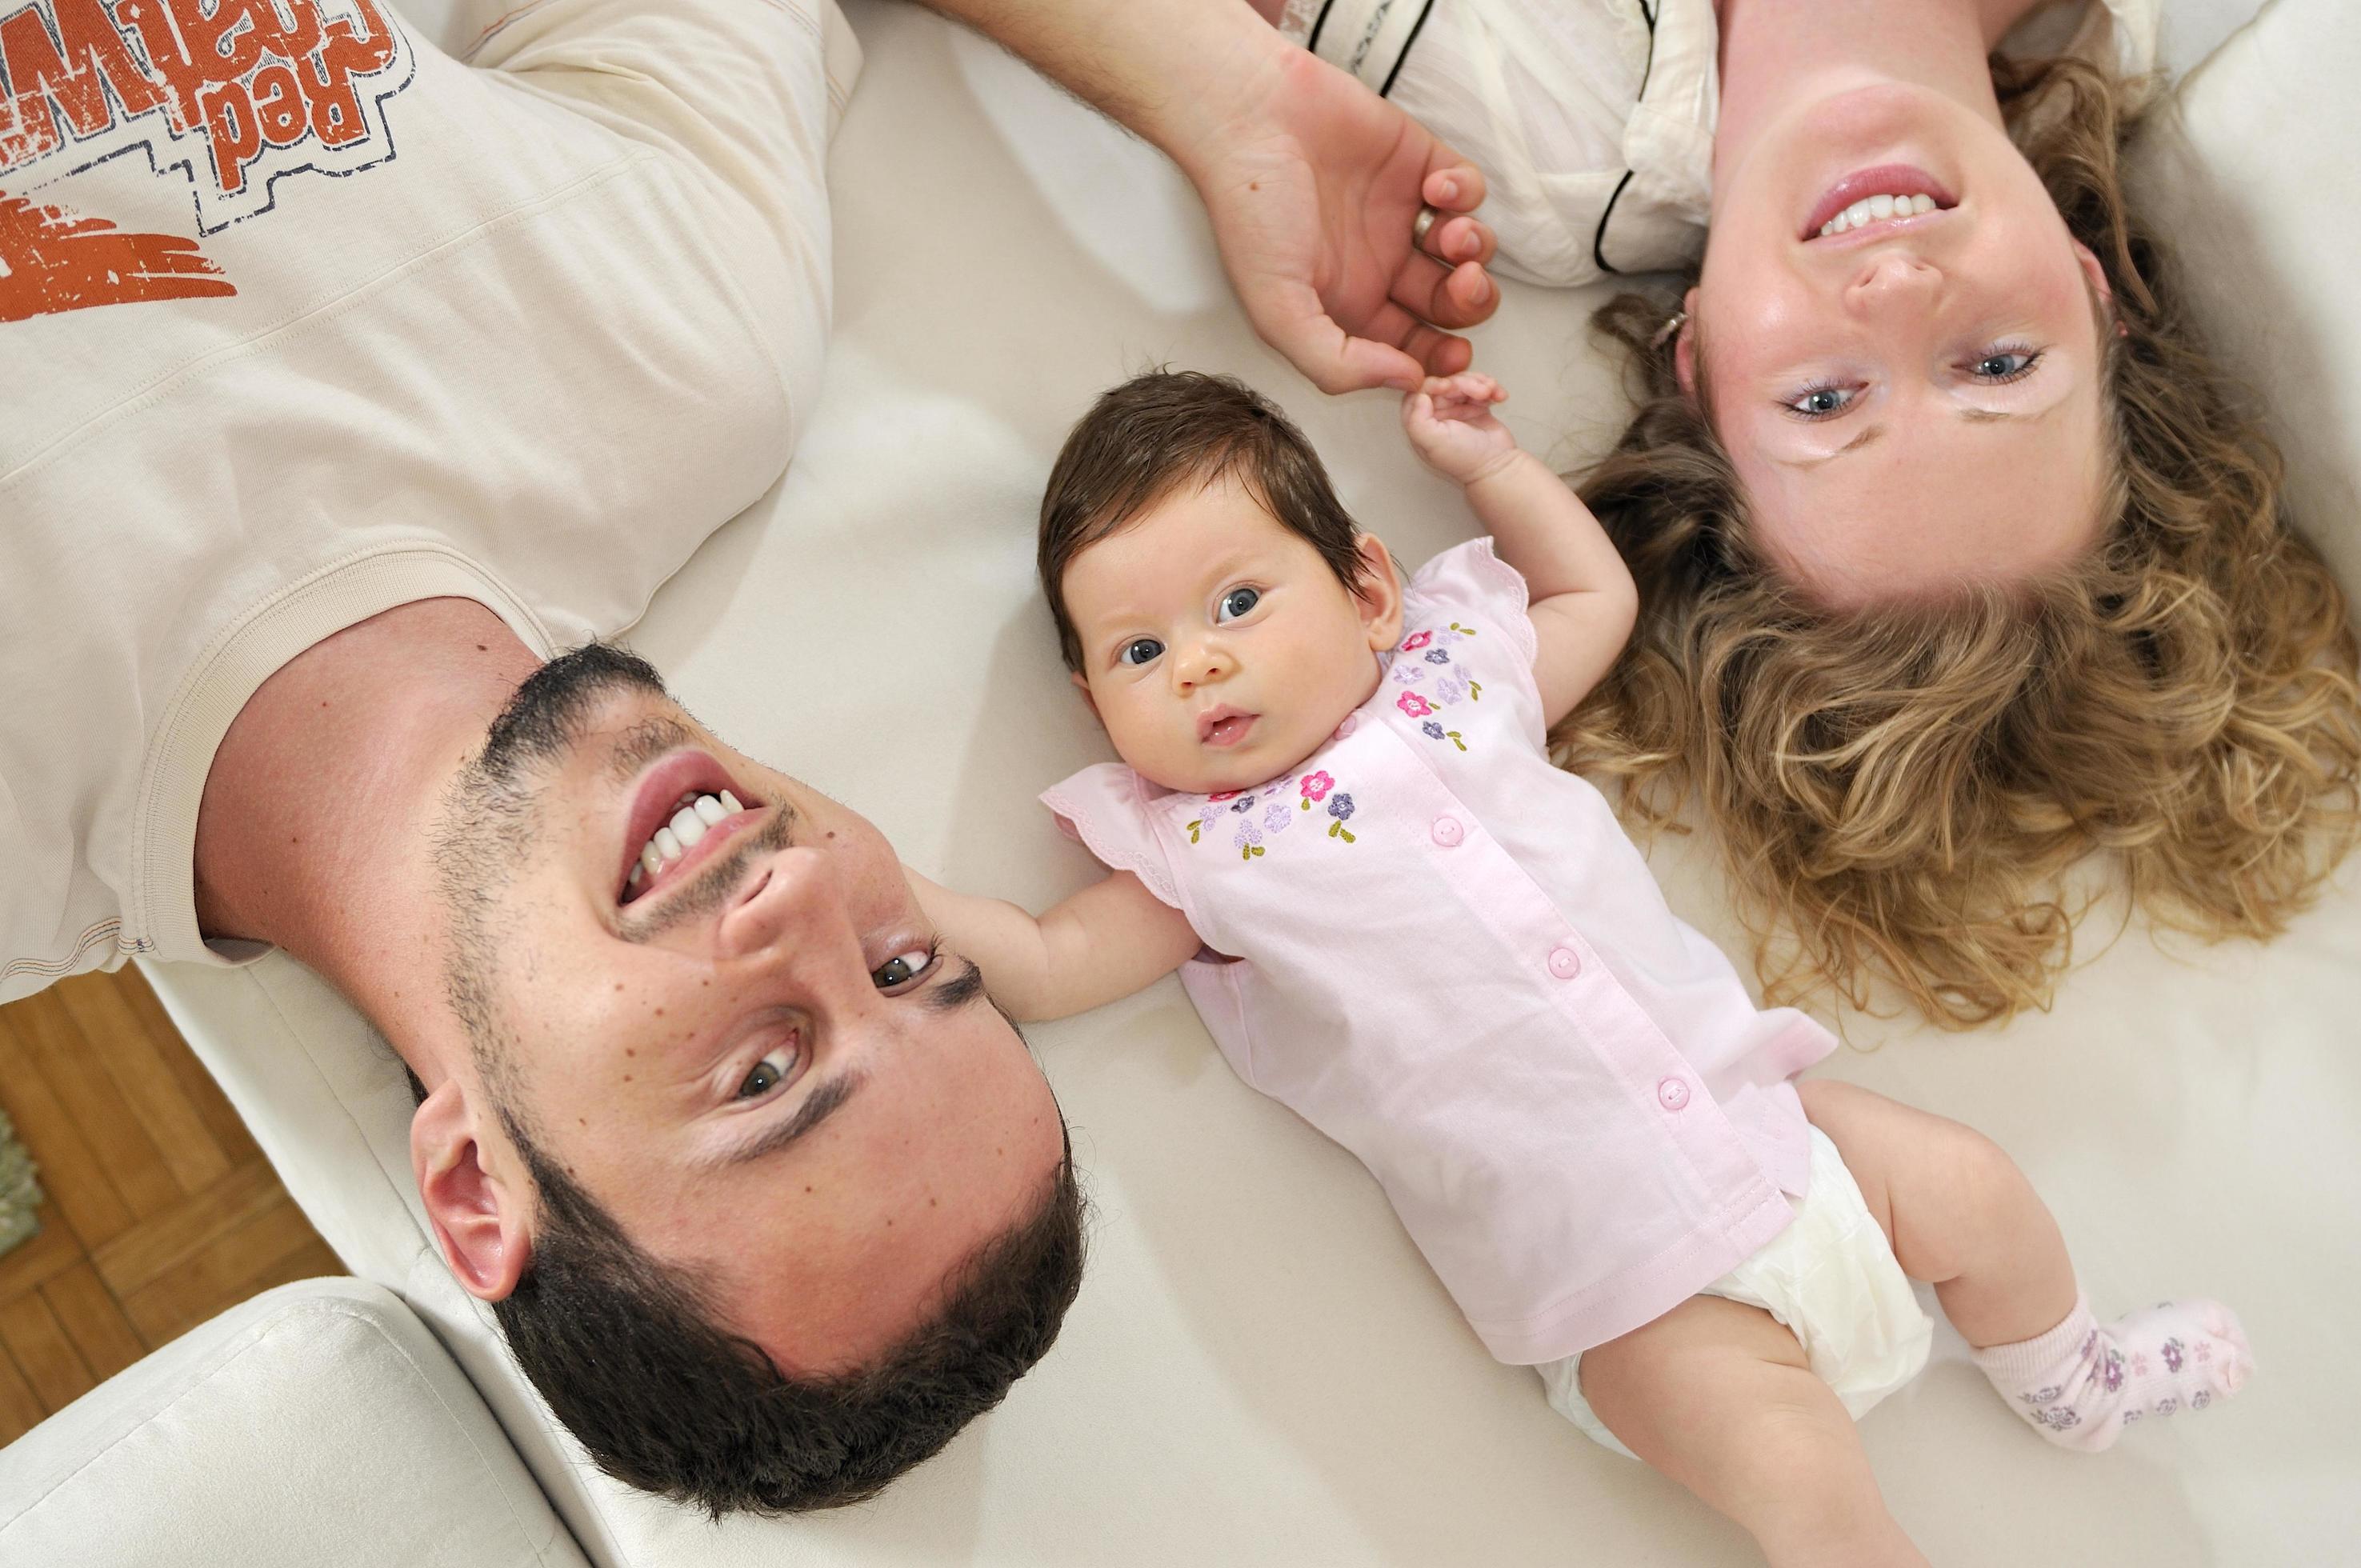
(2008, 364)
(1236, 602)
(1139, 652)
(1821, 403)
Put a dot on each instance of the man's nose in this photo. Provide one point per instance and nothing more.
(792, 907)
(1199, 662)
(1891, 280)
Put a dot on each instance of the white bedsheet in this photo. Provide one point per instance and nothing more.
(1261, 1369)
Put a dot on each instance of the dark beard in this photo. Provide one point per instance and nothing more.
(546, 716)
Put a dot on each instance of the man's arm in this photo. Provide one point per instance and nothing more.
(1312, 180)
(1106, 942)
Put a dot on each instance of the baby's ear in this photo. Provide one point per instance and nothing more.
(1089, 701)
(1380, 593)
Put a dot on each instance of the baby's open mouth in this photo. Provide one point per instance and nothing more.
(1224, 726)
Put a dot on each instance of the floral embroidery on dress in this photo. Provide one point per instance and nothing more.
(1416, 640)
(1250, 833)
(1454, 682)
(1414, 705)
(1434, 732)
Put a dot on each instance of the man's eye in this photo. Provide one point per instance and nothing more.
(768, 1074)
(901, 970)
(1821, 403)
(1236, 602)
(1140, 651)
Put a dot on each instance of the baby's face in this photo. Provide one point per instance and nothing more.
(1219, 649)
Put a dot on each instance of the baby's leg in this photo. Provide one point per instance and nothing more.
(1719, 1396)
(1962, 1217)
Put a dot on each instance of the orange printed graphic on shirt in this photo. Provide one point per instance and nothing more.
(51, 260)
(231, 94)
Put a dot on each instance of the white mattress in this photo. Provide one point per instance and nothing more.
(1261, 1369)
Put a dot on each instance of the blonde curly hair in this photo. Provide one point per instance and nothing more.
(1902, 790)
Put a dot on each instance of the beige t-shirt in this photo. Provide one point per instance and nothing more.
(302, 319)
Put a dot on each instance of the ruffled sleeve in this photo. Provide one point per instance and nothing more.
(1470, 581)
(1109, 809)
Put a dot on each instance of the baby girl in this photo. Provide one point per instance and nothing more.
(1335, 814)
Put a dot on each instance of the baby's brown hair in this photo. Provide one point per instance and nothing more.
(1157, 431)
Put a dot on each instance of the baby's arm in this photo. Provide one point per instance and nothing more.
(1106, 941)
(1582, 599)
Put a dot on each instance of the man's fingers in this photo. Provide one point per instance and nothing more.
(1332, 358)
(1459, 239)
(1452, 183)
(1454, 297)
(1438, 351)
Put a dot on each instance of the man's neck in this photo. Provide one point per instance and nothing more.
(316, 829)
(1776, 52)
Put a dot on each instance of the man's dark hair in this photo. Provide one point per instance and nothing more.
(1145, 439)
(665, 1399)
(627, 1349)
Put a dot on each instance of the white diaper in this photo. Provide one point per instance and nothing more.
(1832, 1278)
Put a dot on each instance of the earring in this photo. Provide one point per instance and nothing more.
(1672, 323)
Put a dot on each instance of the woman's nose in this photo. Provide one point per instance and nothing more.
(1892, 279)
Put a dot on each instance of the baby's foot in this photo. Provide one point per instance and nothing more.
(2084, 1381)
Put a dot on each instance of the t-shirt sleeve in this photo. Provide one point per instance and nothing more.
(1106, 807)
(746, 91)
(1465, 612)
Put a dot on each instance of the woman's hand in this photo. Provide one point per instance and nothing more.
(1450, 424)
(1313, 184)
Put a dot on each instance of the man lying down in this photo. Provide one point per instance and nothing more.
(306, 477)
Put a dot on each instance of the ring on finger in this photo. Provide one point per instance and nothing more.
(1427, 218)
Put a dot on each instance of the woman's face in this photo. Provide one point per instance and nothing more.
(1912, 402)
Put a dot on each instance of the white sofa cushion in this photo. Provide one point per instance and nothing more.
(1261, 1369)
(319, 1423)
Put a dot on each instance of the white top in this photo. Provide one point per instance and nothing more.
(332, 322)
(1444, 954)
(1593, 120)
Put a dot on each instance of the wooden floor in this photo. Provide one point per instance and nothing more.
(161, 1210)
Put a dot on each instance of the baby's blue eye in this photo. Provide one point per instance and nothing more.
(1140, 651)
(1236, 602)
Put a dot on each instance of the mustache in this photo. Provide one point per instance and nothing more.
(713, 885)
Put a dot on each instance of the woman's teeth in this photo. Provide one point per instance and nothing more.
(675, 838)
(1875, 209)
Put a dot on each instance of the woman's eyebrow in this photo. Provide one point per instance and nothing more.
(1863, 439)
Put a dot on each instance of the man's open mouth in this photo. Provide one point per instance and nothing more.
(687, 806)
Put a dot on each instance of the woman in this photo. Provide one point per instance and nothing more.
(1958, 557)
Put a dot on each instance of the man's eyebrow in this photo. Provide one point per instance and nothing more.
(962, 989)
(818, 1106)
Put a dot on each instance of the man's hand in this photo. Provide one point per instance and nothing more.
(1313, 180)
(1313, 184)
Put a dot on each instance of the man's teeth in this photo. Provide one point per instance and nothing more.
(1872, 209)
(689, 824)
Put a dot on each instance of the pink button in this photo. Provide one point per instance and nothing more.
(1565, 962)
(1447, 831)
(1351, 722)
(1672, 1094)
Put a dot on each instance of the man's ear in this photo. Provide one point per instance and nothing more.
(1380, 593)
(1685, 346)
(482, 1221)
(1083, 687)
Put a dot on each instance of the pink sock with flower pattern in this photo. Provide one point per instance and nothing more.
(2084, 1381)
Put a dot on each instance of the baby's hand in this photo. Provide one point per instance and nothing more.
(1450, 425)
